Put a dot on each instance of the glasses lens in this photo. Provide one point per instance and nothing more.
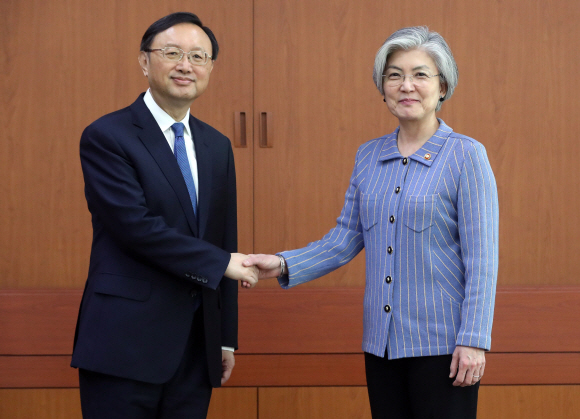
(421, 77)
(172, 53)
(394, 79)
(197, 57)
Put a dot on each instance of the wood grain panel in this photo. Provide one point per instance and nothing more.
(314, 403)
(37, 372)
(305, 370)
(322, 68)
(301, 320)
(38, 322)
(40, 404)
(529, 402)
(230, 403)
(505, 402)
(305, 320)
(239, 403)
(86, 65)
(495, 402)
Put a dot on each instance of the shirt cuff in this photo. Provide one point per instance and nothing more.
(227, 348)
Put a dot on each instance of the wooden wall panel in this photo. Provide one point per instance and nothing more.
(301, 321)
(305, 370)
(495, 402)
(234, 403)
(529, 402)
(314, 403)
(239, 403)
(84, 66)
(322, 67)
(323, 330)
(40, 404)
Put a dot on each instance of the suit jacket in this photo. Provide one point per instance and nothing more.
(429, 226)
(152, 262)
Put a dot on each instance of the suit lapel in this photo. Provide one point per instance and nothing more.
(156, 144)
(204, 173)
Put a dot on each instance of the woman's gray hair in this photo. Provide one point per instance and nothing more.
(419, 37)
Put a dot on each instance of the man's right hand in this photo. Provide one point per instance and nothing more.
(235, 270)
(268, 265)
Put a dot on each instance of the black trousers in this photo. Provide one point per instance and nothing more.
(417, 388)
(186, 395)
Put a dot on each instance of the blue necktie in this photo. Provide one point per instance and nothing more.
(183, 162)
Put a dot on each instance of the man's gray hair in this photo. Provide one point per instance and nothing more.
(419, 37)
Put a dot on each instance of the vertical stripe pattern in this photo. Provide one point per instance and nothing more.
(429, 225)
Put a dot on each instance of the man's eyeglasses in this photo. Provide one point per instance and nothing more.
(196, 57)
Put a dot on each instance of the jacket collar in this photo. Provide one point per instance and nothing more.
(425, 155)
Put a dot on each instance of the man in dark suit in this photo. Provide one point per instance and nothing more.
(158, 320)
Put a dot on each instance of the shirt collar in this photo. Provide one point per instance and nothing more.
(161, 117)
(426, 154)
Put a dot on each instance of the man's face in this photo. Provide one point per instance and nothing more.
(176, 84)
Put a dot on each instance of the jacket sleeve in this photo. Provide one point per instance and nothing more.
(478, 218)
(117, 200)
(338, 247)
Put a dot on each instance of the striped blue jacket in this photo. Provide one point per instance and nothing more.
(429, 225)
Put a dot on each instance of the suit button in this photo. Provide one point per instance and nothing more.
(397, 189)
(387, 308)
(188, 275)
(193, 293)
(389, 250)
(204, 280)
(405, 161)
(389, 279)
(392, 219)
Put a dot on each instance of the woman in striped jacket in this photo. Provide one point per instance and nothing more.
(422, 201)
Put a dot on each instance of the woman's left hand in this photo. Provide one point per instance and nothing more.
(467, 365)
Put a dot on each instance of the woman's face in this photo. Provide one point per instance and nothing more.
(416, 99)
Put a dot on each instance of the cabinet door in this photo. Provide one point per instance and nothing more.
(88, 53)
(227, 103)
(313, 74)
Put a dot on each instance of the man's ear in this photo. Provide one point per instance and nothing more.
(144, 62)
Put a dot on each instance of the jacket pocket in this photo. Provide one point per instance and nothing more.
(369, 209)
(122, 286)
(418, 212)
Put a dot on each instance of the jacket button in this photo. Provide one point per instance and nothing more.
(188, 275)
(397, 189)
(204, 280)
(193, 293)
(389, 279)
(389, 250)
(405, 160)
(387, 308)
(392, 219)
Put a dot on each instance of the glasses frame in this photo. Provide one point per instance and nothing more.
(411, 79)
(207, 56)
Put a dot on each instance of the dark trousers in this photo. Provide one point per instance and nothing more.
(186, 395)
(417, 388)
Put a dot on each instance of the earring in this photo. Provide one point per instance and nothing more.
(441, 99)
(384, 100)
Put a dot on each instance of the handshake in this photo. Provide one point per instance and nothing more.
(250, 268)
